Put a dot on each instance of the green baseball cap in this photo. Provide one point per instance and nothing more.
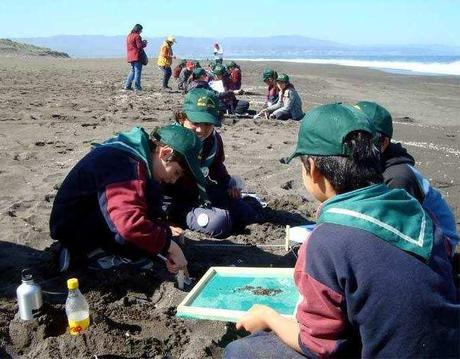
(218, 70)
(188, 144)
(324, 128)
(231, 64)
(268, 74)
(198, 72)
(202, 106)
(379, 117)
(283, 78)
(196, 64)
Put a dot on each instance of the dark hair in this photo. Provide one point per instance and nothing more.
(174, 157)
(137, 28)
(360, 169)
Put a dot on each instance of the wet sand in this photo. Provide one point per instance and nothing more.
(51, 110)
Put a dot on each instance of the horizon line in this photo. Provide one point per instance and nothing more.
(243, 37)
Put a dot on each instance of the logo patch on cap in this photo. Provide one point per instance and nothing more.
(205, 101)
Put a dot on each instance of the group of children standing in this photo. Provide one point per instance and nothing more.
(375, 276)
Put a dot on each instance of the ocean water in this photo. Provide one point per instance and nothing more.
(408, 65)
(241, 293)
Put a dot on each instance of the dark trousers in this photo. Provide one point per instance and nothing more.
(90, 233)
(260, 345)
(166, 75)
(241, 107)
(225, 216)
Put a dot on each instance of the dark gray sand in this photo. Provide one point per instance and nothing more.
(52, 110)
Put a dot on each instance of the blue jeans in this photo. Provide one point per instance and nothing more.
(166, 75)
(135, 74)
(260, 345)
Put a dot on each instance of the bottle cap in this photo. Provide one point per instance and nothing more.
(72, 283)
(26, 274)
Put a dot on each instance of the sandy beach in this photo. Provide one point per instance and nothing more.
(51, 110)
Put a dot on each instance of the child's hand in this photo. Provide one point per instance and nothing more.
(176, 259)
(234, 193)
(177, 231)
(256, 319)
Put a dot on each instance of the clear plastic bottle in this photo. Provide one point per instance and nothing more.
(76, 308)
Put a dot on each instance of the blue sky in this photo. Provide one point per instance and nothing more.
(352, 21)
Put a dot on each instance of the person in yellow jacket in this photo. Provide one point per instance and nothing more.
(165, 60)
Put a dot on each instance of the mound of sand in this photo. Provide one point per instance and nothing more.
(9, 48)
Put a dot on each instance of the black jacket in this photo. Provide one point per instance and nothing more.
(397, 174)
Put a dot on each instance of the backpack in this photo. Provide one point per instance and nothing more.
(143, 57)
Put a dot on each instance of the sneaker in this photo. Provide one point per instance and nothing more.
(128, 89)
(102, 260)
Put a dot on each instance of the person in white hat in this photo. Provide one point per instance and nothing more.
(165, 60)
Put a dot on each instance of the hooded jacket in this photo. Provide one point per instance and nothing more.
(110, 196)
(400, 172)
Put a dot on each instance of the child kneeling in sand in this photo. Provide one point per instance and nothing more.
(374, 276)
(399, 172)
(289, 104)
(108, 211)
(229, 211)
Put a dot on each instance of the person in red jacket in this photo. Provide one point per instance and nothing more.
(134, 46)
(234, 72)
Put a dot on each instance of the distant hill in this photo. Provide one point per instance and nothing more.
(286, 47)
(9, 48)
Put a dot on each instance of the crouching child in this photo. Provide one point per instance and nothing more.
(229, 212)
(374, 276)
(108, 211)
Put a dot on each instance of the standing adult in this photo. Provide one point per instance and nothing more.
(134, 46)
(218, 53)
(165, 60)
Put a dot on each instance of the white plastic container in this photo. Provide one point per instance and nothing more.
(29, 296)
(76, 308)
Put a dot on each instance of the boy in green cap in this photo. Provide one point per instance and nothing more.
(229, 211)
(289, 104)
(229, 102)
(374, 276)
(234, 76)
(399, 172)
(199, 80)
(107, 212)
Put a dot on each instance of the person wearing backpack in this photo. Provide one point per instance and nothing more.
(135, 47)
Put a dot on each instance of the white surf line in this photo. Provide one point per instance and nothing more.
(432, 146)
(434, 127)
